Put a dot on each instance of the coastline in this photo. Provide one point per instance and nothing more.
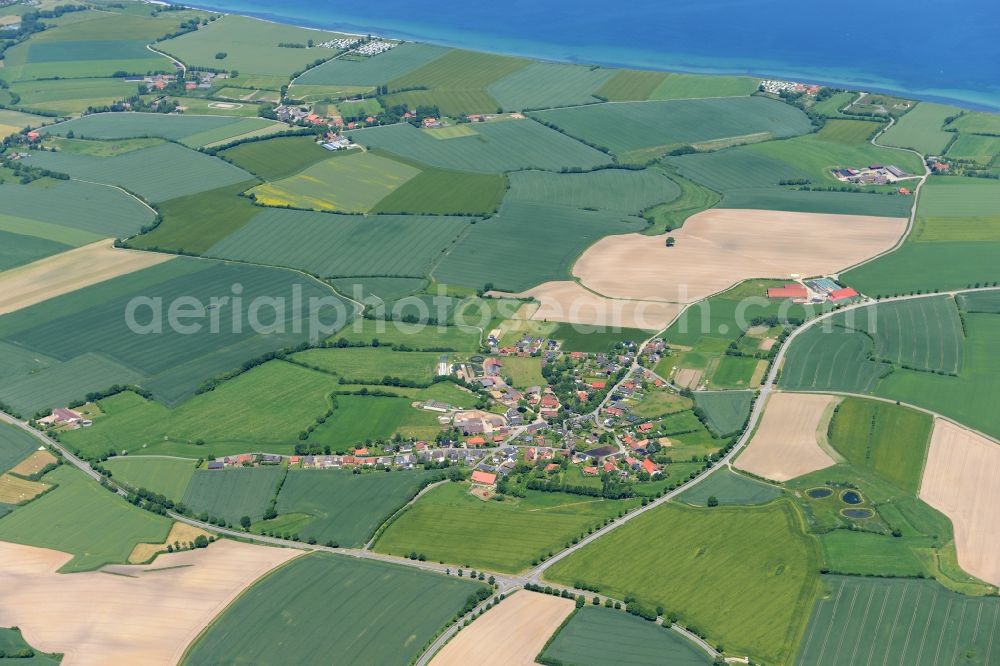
(529, 50)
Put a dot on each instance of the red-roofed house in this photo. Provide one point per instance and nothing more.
(590, 471)
(484, 478)
(551, 467)
(475, 441)
(615, 411)
(650, 467)
(645, 427)
(598, 385)
(361, 452)
(841, 294)
(790, 290)
(34, 136)
(609, 466)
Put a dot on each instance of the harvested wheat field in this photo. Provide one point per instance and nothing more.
(14, 490)
(146, 614)
(717, 248)
(786, 443)
(688, 377)
(962, 480)
(510, 634)
(568, 302)
(69, 271)
(180, 533)
(34, 463)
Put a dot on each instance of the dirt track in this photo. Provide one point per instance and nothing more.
(962, 480)
(719, 247)
(785, 445)
(511, 634)
(147, 614)
(69, 271)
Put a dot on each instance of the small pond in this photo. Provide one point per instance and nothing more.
(860, 514)
(852, 497)
(819, 493)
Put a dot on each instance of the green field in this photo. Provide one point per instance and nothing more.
(980, 149)
(980, 301)
(86, 331)
(15, 446)
(595, 636)
(595, 339)
(195, 222)
(414, 337)
(725, 411)
(977, 122)
(70, 212)
(804, 201)
(730, 488)
(919, 334)
(234, 492)
(370, 72)
(965, 398)
(641, 131)
(693, 198)
(18, 249)
(920, 129)
(456, 83)
(927, 267)
(834, 360)
(277, 158)
(333, 245)
(370, 363)
(523, 372)
(870, 554)
(687, 86)
(503, 536)
(383, 289)
(67, 96)
(499, 146)
(169, 477)
(436, 191)
(629, 85)
(250, 45)
(623, 191)
(12, 122)
(958, 209)
(352, 183)
(12, 643)
(906, 621)
(191, 130)
(888, 439)
(832, 105)
(82, 518)
(263, 409)
(746, 577)
(543, 85)
(360, 419)
(657, 403)
(342, 507)
(546, 239)
(156, 174)
(384, 613)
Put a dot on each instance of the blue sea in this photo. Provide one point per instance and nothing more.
(943, 51)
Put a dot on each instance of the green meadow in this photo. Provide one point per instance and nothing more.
(725, 411)
(511, 535)
(80, 517)
(370, 363)
(543, 85)
(15, 446)
(624, 191)
(744, 576)
(263, 409)
(921, 129)
(169, 477)
(277, 158)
